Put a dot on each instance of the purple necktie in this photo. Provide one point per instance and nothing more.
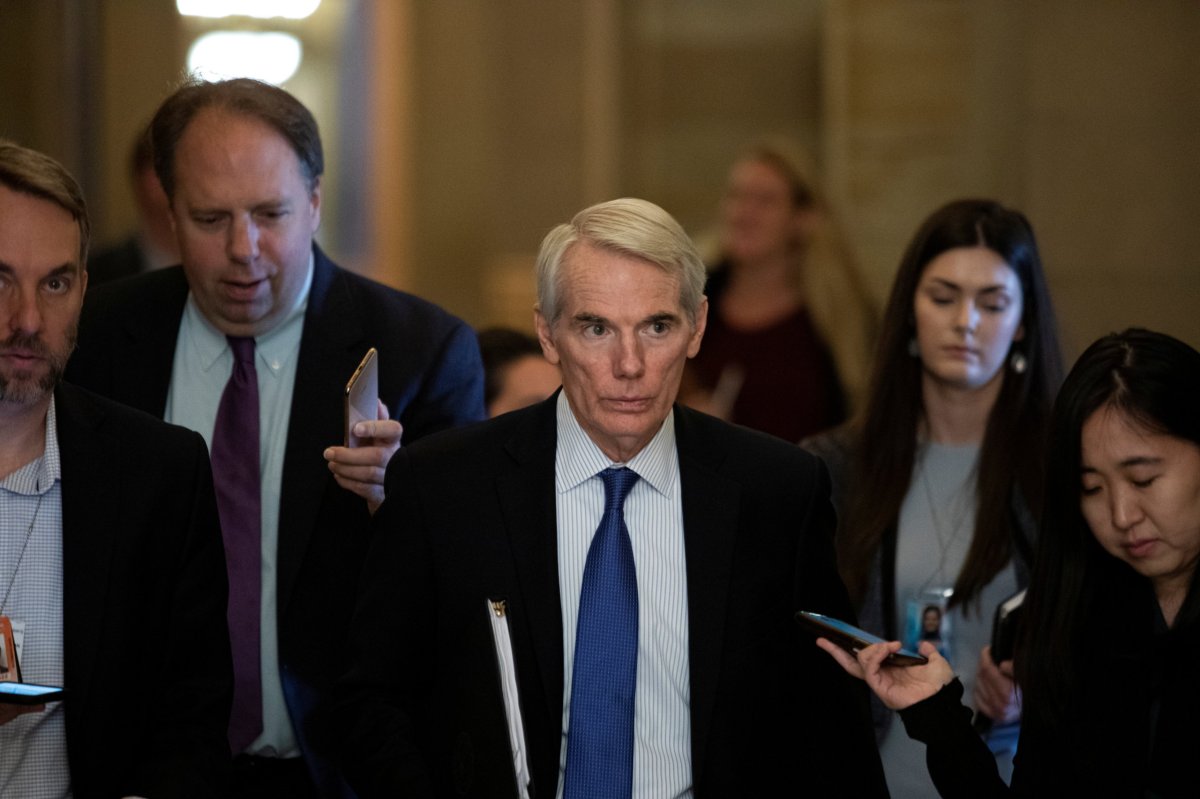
(239, 501)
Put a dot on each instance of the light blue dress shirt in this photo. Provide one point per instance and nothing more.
(203, 363)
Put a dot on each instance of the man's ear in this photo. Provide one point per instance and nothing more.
(315, 201)
(542, 325)
(698, 330)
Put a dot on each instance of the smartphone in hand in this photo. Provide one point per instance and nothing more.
(852, 638)
(362, 396)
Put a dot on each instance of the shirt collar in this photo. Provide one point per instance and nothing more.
(272, 349)
(578, 458)
(39, 475)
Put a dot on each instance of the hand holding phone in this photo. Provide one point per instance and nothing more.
(899, 684)
(997, 698)
(361, 465)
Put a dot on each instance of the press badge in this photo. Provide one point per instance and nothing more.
(927, 618)
(12, 637)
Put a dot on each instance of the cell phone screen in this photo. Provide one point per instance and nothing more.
(852, 638)
(23, 693)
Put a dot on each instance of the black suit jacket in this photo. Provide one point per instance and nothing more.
(470, 516)
(145, 646)
(430, 377)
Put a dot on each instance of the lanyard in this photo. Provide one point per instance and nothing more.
(24, 544)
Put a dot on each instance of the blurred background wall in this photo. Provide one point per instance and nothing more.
(459, 131)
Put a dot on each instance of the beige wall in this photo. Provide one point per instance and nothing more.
(1113, 119)
(49, 57)
(486, 123)
(1081, 113)
(142, 50)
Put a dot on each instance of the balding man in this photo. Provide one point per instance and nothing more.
(250, 342)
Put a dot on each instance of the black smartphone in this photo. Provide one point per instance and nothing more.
(1004, 627)
(852, 639)
(24, 693)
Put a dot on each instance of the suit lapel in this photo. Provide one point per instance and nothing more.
(91, 496)
(331, 346)
(141, 374)
(527, 498)
(710, 521)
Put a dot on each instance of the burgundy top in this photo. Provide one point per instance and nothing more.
(790, 390)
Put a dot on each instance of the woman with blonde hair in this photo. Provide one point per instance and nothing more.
(789, 324)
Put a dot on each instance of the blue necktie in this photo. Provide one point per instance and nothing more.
(600, 736)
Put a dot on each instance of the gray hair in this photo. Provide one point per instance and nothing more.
(630, 227)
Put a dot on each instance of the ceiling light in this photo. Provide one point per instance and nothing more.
(261, 9)
(271, 57)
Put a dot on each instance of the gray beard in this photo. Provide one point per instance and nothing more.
(26, 392)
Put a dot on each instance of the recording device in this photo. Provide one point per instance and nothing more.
(853, 639)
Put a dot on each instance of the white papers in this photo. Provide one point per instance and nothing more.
(497, 610)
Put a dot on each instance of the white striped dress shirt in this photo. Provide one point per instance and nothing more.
(662, 761)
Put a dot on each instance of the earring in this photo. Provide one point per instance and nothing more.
(914, 349)
(1018, 362)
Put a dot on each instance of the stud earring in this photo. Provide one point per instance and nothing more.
(1018, 362)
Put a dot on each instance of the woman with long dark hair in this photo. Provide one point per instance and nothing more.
(1109, 650)
(939, 480)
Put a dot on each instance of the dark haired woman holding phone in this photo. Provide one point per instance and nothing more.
(1109, 651)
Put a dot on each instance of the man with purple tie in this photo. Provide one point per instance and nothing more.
(250, 342)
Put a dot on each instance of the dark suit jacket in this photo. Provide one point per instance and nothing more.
(470, 516)
(146, 650)
(430, 377)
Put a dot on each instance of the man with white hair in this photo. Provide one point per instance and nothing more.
(595, 596)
